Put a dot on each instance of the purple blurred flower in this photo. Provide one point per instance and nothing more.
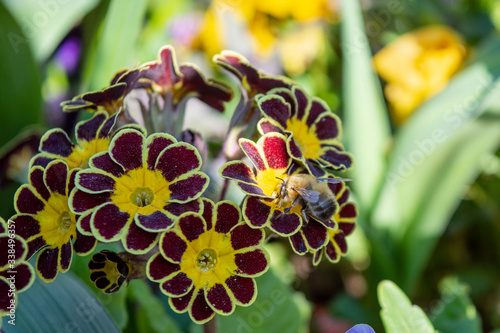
(68, 54)
(361, 328)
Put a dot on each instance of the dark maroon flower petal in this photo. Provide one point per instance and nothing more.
(105, 130)
(338, 159)
(239, 171)
(181, 304)
(177, 160)
(315, 234)
(159, 268)
(26, 226)
(317, 257)
(108, 221)
(71, 180)
(41, 160)
(80, 201)
(24, 276)
(94, 182)
(251, 263)
(189, 188)
(164, 72)
(83, 244)
(35, 245)
(317, 108)
(192, 226)
(314, 170)
(298, 243)
(83, 224)
(87, 130)
(340, 241)
(243, 236)
(26, 201)
(276, 108)
(210, 92)
(331, 252)
(126, 149)
(36, 180)
(219, 299)
(256, 212)
(66, 254)
(244, 289)
(47, 263)
(275, 151)
(327, 127)
(172, 246)
(200, 310)
(139, 240)
(302, 102)
(104, 162)
(265, 126)
(285, 224)
(178, 209)
(251, 189)
(348, 211)
(347, 227)
(208, 210)
(16, 244)
(178, 285)
(294, 149)
(157, 221)
(56, 142)
(253, 153)
(227, 216)
(155, 145)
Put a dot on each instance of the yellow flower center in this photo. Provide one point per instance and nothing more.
(206, 260)
(209, 259)
(142, 196)
(308, 142)
(269, 181)
(141, 191)
(57, 223)
(80, 156)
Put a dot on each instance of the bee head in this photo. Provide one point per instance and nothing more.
(282, 190)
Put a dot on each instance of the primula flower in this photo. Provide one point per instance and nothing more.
(92, 136)
(45, 221)
(108, 271)
(345, 218)
(180, 83)
(261, 207)
(253, 82)
(313, 131)
(141, 185)
(418, 65)
(207, 262)
(16, 275)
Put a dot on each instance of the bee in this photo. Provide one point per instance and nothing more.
(313, 194)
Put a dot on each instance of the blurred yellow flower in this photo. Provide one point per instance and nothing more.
(262, 19)
(417, 65)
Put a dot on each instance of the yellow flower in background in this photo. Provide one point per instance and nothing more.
(259, 24)
(418, 65)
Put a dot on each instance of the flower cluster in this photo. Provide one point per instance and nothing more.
(131, 179)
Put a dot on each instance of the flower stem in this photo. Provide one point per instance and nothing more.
(224, 189)
(210, 326)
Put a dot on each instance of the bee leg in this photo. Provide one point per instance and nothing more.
(291, 206)
(304, 215)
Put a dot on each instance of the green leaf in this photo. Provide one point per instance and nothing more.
(366, 123)
(398, 314)
(151, 310)
(454, 312)
(20, 93)
(116, 41)
(45, 23)
(275, 310)
(61, 306)
(436, 154)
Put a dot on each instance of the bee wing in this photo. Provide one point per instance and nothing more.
(333, 180)
(307, 195)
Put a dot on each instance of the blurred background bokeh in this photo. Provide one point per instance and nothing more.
(415, 84)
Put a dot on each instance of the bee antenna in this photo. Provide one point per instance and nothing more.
(280, 179)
